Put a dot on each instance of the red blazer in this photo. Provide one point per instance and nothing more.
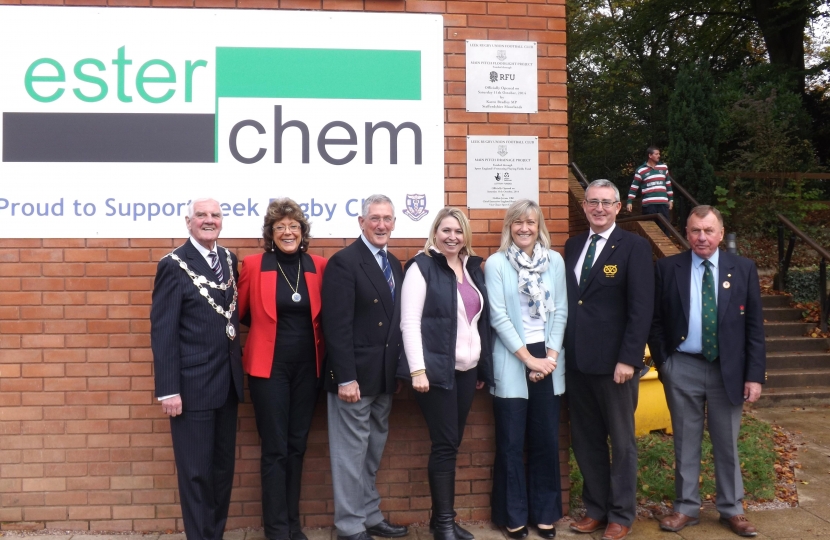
(258, 306)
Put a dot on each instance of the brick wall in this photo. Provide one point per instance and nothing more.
(83, 444)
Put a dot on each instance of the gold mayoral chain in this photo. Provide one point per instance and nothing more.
(199, 281)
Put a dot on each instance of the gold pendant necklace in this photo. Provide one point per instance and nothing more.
(294, 288)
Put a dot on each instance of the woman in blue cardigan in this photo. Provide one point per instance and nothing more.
(528, 310)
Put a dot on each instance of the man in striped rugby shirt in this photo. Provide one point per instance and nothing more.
(652, 177)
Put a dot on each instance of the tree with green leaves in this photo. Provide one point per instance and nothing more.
(693, 132)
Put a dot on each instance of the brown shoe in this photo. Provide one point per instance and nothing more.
(740, 525)
(677, 521)
(615, 531)
(587, 525)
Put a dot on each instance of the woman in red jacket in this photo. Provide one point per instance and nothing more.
(279, 298)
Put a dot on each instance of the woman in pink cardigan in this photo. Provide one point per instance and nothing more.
(446, 333)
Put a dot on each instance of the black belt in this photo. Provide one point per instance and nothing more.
(700, 356)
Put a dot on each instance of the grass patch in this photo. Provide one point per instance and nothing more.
(655, 475)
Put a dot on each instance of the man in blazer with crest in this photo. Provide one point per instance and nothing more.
(610, 280)
(707, 341)
(362, 328)
(198, 367)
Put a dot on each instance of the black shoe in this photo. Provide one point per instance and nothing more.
(517, 535)
(362, 535)
(297, 535)
(544, 533)
(460, 532)
(387, 530)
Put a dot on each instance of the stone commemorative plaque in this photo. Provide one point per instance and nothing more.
(501, 170)
(502, 76)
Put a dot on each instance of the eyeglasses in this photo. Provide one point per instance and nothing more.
(593, 203)
(279, 229)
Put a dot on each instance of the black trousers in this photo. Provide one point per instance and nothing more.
(446, 414)
(533, 496)
(204, 446)
(658, 209)
(601, 409)
(283, 407)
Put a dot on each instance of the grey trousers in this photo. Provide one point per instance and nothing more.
(694, 392)
(357, 436)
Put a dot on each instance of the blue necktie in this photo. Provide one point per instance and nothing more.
(217, 267)
(387, 272)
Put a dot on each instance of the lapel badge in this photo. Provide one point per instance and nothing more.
(742, 310)
(726, 285)
(610, 270)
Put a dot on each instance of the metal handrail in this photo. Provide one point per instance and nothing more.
(666, 223)
(784, 264)
(579, 176)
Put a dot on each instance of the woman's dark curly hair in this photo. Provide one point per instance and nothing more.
(283, 208)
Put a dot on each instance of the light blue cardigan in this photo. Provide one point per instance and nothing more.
(506, 319)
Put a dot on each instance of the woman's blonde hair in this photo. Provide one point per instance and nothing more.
(517, 211)
(451, 211)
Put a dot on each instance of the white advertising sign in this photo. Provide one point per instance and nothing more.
(113, 119)
(501, 76)
(501, 170)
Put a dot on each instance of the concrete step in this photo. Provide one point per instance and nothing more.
(797, 344)
(786, 328)
(782, 314)
(793, 396)
(797, 360)
(775, 300)
(779, 378)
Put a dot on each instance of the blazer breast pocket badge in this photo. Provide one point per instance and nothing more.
(610, 270)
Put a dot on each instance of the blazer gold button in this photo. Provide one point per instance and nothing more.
(380, 324)
(376, 300)
(682, 338)
(580, 302)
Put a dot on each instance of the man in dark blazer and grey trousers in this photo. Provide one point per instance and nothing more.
(361, 322)
(198, 367)
(707, 341)
(610, 282)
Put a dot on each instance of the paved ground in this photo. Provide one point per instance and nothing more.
(809, 520)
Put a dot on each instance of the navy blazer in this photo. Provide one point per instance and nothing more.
(192, 354)
(361, 321)
(608, 322)
(740, 319)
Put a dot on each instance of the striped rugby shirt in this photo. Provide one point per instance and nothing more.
(655, 183)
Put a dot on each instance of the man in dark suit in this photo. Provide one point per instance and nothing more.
(361, 322)
(198, 367)
(707, 341)
(610, 301)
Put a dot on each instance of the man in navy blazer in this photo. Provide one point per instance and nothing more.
(362, 326)
(610, 282)
(708, 381)
(198, 367)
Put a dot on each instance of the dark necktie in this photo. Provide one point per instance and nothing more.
(589, 261)
(709, 314)
(217, 267)
(387, 272)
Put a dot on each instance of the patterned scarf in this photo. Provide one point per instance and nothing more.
(530, 283)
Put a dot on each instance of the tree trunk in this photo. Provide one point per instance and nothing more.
(782, 24)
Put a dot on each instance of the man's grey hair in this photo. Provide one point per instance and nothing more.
(602, 182)
(377, 198)
(193, 202)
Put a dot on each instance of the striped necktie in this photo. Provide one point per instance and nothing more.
(589, 261)
(217, 267)
(709, 314)
(387, 272)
